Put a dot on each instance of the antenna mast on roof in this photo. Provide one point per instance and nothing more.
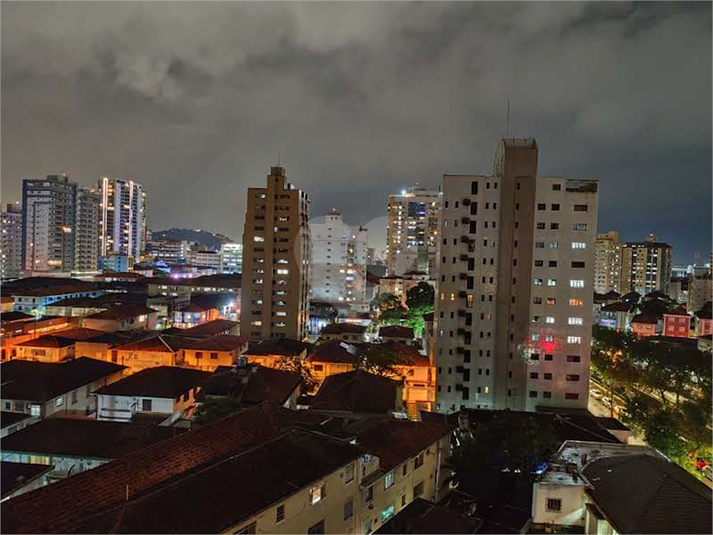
(507, 121)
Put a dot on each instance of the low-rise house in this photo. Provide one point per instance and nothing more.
(209, 353)
(705, 343)
(14, 421)
(100, 346)
(252, 384)
(214, 328)
(123, 318)
(677, 323)
(20, 330)
(7, 303)
(18, 478)
(42, 388)
(39, 298)
(346, 332)
(54, 347)
(214, 284)
(299, 481)
(331, 358)
(69, 446)
(645, 324)
(154, 350)
(405, 461)
(271, 353)
(616, 316)
(618, 488)
(359, 394)
(163, 390)
(396, 333)
(200, 309)
(424, 517)
(84, 306)
(704, 320)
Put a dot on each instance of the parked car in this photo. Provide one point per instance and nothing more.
(606, 400)
(596, 394)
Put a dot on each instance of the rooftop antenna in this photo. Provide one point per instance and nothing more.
(507, 121)
(279, 159)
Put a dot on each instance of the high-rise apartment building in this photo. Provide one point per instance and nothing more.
(11, 245)
(607, 262)
(122, 222)
(338, 267)
(86, 230)
(231, 257)
(276, 267)
(48, 210)
(646, 266)
(412, 231)
(515, 286)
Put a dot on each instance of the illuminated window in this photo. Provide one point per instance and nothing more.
(389, 480)
(576, 302)
(550, 319)
(551, 282)
(576, 283)
(579, 245)
(317, 493)
(574, 339)
(575, 321)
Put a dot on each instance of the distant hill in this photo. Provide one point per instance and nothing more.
(213, 240)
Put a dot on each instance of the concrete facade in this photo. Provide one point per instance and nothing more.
(276, 261)
(607, 262)
(514, 297)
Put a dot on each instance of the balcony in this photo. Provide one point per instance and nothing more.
(465, 220)
(459, 387)
(459, 369)
(464, 258)
(466, 202)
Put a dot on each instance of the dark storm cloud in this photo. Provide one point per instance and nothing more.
(196, 100)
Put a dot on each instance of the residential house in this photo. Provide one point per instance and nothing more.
(252, 384)
(299, 481)
(214, 328)
(704, 320)
(346, 332)
(42, 388)
(162, 390)
(209, 353)
(272, 353)
(54, 347)
(396, 333)
(331, 358)
(17, 329)
(14, 421)
(425, 517)
(123, 318)
(677, 323)
(617, 316)
(155, 350)
(68, 446)
(18, 478)
(40, 298)
(618, 488)
(359, 394)
(645, 324)
(404, 461)
(201, 309)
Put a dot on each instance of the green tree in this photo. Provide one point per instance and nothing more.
(379, 359)
(420, 301)
(213, 409)
(504, 451)
(662, 432)
(294, 364)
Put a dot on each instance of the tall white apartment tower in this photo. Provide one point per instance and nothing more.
(412, 231)
(86, 229)
(515, 283)
(122, 221)
(276, 261)
(338, 260)
(607, 262)
(11, 245)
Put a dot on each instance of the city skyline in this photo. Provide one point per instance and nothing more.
(190, 118)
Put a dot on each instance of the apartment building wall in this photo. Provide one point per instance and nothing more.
(562, 294)
(48, 206)
(607, 262)
(86, 230)
(646, 266)
(122, 221)
(299, 513)
(412, 231)
(499, 234)
(11, 244)
(276, 261)
(338, 269)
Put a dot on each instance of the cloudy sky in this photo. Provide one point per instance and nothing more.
(196, 101)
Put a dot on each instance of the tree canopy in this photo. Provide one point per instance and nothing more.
(213, 409)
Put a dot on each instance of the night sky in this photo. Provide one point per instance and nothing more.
(196, 101)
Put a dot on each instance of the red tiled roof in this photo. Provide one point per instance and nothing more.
(122, 312)
(396, 331)
(63, 506)
(223, 342)
(357, 391)
(159, 382)
(163, 343)
(407, 355)
(49, 341)
(645, 318)
(212, 328)
(343, 328)
(335, 351)
(279, 346)
(393, 441)
(678, 311)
